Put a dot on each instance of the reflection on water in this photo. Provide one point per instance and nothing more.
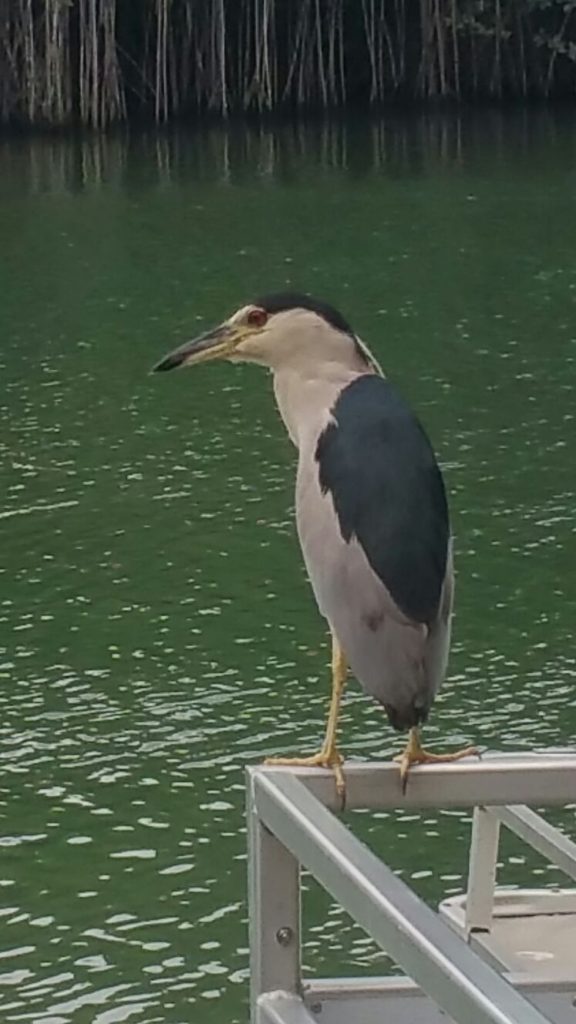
(157, 630)
(396, 144)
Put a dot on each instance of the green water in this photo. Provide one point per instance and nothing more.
(157, 631)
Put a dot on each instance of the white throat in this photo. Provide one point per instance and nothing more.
(306, 397)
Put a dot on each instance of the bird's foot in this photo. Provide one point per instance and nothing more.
(416, 754)
(325, 758)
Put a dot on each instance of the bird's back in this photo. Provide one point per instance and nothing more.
(373, 523)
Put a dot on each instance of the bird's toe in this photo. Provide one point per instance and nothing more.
(331, 759)
(414, 754)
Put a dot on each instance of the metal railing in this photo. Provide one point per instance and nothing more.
(529, 826)
(291, 824)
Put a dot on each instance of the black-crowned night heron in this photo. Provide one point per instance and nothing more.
(371, 508)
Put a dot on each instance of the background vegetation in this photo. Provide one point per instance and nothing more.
(103, 61)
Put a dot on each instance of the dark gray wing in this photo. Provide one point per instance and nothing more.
(376, 462)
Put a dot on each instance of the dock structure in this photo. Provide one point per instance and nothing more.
(490, 956)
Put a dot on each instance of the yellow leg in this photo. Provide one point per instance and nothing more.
(328, 756)
(416, 754)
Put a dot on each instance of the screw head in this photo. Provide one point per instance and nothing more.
(284, 936)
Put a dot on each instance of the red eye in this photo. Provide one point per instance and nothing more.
(257, 317)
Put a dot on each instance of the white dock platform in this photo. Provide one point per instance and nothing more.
(488, 957)
(533, 931)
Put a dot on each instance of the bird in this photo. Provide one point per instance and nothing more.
(371, 510)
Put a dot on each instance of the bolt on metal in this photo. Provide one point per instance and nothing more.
(284, 936)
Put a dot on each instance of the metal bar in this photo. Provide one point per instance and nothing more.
(534, 779)
(283, 1008)
(315, 990)
(540, 835)
(274, 911)
(482, 871)
(455, 978)
(375, 1000)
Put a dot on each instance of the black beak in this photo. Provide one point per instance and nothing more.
(211, 345)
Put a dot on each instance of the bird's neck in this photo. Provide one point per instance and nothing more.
(305, 398)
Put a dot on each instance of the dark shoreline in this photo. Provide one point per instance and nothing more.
(104, 63)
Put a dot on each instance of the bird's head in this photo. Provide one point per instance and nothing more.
(278, 331)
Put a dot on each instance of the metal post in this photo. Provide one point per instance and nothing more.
(274, 912)
(482, 871)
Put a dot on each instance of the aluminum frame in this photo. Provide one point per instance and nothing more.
(290, 824)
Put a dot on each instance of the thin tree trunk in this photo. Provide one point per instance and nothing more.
(455, 48)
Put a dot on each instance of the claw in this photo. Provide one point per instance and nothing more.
(331, 759)
(415, 753)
